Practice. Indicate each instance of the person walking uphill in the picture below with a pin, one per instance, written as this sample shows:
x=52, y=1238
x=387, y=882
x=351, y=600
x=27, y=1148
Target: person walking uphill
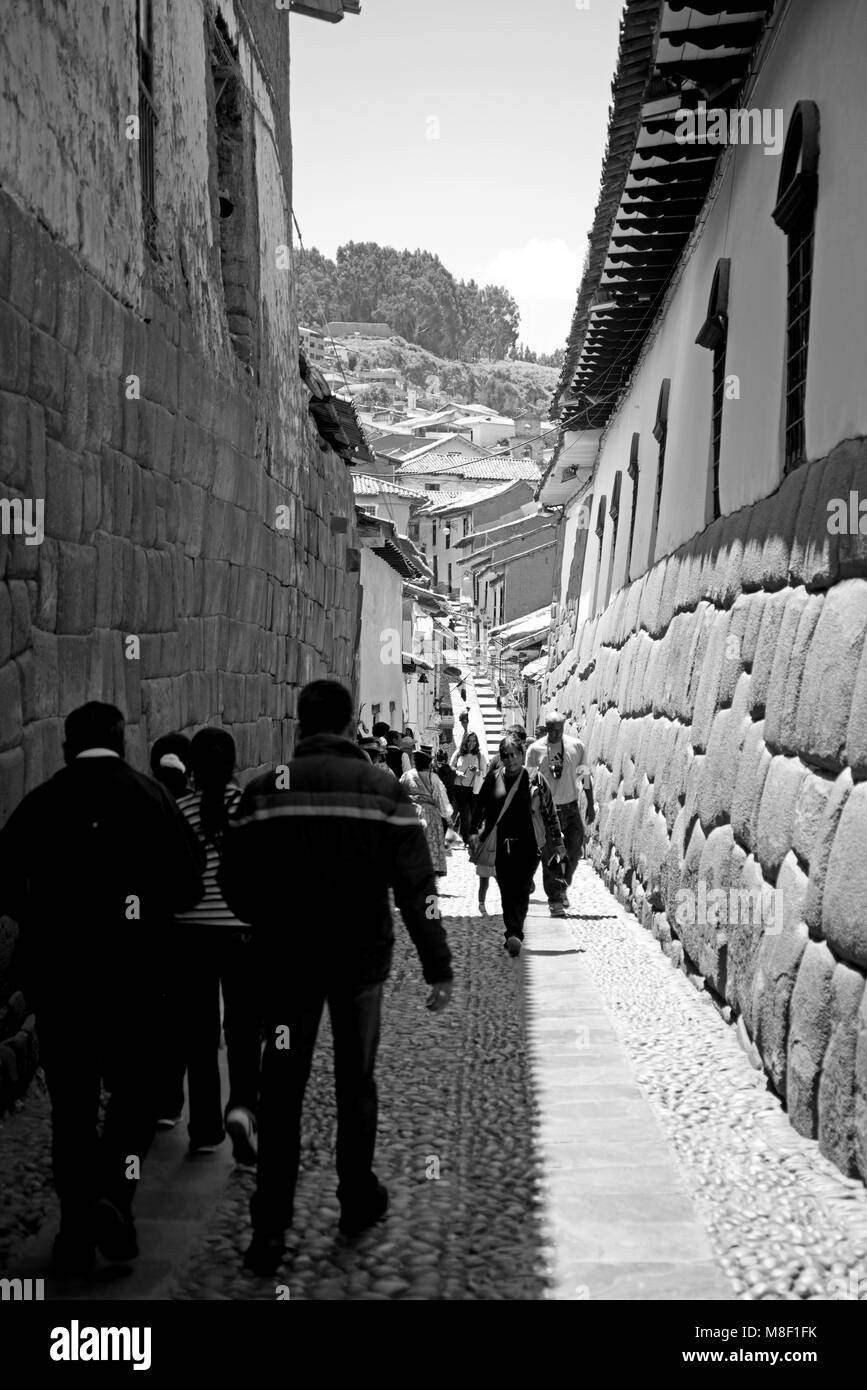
x=513, y=824
x=96, y=861
x=309, y=861
x=561, y=762
x=215, y=951
x=427, y=793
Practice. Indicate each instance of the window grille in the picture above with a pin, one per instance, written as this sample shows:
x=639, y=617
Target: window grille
x=147, y=118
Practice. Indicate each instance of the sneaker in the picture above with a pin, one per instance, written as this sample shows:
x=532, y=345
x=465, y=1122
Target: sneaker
x=265, y=1254
x=513, y=945
x=557, y=909
x=114, y=1232
x=241, y=1126
x=166, y=1123
x=72, y=1254
x=354, y=1220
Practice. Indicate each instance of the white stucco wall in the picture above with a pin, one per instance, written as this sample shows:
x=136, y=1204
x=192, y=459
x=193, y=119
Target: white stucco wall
x=818, y=55
x=382, y=601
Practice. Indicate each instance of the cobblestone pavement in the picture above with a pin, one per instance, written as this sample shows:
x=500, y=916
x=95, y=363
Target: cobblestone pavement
x=463, y=1152
x=455, y=1100
x=784, y=1221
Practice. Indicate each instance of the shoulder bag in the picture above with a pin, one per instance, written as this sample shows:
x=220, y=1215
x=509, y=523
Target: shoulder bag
x=486, y=857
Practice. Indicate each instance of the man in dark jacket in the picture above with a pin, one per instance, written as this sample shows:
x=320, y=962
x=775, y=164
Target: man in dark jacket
x=95, y=863
x=309, y=863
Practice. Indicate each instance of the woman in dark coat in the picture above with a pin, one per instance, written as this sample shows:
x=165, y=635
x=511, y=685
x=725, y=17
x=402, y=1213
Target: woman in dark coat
x=519, y=804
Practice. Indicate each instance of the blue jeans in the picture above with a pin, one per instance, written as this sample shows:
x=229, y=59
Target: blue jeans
x=556, y=881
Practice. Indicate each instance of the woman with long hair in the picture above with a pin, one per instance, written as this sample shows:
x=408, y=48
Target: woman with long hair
x=514, y=825
x=470, y=765
x=217, y=950
x=428, y=795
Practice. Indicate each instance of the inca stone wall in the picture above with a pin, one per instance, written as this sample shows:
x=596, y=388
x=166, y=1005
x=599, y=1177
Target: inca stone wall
x=189, y=572
x=725, y=694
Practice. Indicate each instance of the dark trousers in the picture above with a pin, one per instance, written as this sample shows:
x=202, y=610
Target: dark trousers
x=556, y=880
x=79, y=1056
x=355, y=1022
x=517, y=861
x=209, y=958
x=464, y=801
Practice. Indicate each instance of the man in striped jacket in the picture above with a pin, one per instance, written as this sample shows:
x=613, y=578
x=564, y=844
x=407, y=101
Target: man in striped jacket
x=309, y=862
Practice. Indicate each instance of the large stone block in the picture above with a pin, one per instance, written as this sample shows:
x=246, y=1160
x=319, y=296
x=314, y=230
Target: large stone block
x=823, y=842
x=815, y=553
x=14, y=350
x=719, y=774
x=836, y=1101
x=64, y=495
x=826, y=698
x=76, y=588
x=779, y=956
x=772, y=613
x=701, y=622
x=705, y=921
x=809, y=1033
x=10, y=706
x=734, y=663
x=72, y=662
x=809, y=811
x=11, y=782
x=749, y=784
x=784, y=687
x=844, y=917
x=776, y=819
x=861, y=1089
x=751, y=908
x=707, y=694
x=844, y=474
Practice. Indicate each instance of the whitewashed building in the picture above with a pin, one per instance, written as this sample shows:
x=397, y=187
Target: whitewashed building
x=709, y=479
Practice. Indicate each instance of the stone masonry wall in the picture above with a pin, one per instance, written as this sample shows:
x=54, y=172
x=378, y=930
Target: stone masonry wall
x=161, y=524
x=725, y=696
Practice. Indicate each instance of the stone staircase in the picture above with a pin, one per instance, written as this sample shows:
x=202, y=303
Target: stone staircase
x=491, y=716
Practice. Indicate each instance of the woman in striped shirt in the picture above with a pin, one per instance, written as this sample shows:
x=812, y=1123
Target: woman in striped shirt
x=217, y=950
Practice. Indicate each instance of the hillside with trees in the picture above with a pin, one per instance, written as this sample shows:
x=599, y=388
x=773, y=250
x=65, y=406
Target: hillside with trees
x=416, y=295
x=511, y=386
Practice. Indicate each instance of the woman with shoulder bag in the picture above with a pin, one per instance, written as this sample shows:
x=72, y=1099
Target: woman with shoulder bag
x=470, y=765
x=514, y=825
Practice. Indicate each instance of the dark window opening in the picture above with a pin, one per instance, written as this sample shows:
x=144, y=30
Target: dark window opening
x=713, y=334
x=660, y=433
x=234, y=194
x=147, y=119
x=614, y=513
x=600, y=534
x=795, y=214
x=633, y=473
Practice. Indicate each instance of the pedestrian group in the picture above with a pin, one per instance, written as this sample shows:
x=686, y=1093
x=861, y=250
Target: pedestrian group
x=144, y=901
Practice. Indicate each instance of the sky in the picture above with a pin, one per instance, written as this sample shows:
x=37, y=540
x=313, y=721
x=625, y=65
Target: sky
x=471, y=128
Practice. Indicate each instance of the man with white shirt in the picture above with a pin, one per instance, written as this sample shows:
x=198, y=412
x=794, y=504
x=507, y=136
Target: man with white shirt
x=561, y=761
x=96, y=862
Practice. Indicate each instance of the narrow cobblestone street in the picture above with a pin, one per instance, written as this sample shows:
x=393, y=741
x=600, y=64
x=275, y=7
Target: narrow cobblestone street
x=580, y=1124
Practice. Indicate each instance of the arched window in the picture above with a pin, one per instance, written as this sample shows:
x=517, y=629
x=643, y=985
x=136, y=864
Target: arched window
x=795, y=214
x=713, y=335
x=660, y=433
